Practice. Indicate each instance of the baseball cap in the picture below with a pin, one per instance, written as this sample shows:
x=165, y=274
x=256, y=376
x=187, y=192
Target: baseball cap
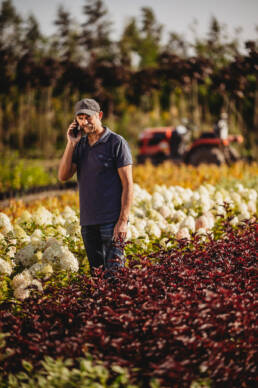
x=86, y=106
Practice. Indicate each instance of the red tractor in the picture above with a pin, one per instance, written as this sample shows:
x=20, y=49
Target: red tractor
x=168, y=143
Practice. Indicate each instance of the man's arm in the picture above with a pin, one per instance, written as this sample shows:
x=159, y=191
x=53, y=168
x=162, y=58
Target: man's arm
x=126, y=177
x=67, y=168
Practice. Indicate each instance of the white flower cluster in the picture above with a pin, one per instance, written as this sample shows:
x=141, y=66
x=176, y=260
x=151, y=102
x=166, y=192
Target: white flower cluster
x=5, y=224
x=5, y=267
x=22, y=285
x=178, y=211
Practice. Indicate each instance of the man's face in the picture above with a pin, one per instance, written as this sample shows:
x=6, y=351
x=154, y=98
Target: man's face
x=90, y=124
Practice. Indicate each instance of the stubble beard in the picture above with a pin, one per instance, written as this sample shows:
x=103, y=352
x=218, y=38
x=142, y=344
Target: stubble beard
x=89, y=129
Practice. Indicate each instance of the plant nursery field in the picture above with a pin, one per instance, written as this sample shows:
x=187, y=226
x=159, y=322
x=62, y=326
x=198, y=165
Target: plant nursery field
x=183, y=311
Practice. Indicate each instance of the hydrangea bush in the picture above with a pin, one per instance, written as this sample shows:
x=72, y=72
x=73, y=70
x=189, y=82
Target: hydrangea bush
x=40, y=243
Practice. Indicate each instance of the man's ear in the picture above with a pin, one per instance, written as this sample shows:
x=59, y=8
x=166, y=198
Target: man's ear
x=100, y=115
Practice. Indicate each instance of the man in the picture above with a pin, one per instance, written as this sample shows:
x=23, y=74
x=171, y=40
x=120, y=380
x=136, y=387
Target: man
x=221, y=127
x=103, y=163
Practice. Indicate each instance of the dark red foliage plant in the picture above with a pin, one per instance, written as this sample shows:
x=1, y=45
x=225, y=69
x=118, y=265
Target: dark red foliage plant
x=191, y=314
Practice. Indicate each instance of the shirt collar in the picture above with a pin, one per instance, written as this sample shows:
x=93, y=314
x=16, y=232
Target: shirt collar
x=105, y=135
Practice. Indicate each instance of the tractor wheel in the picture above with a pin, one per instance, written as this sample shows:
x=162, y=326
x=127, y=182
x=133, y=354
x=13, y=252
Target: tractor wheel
x=141, y=159
x=206, y=155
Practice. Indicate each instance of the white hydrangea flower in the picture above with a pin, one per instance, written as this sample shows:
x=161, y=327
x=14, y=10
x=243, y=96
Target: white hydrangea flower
x=43, y=268
x=236, y=198
x=141, y=225
x=59, y=255
x=25, y=255
x=211, y=219
x=68, y=261
x=138, y=212
x=162, y=224
x=195, y=196
x=157, y=201
x=52, y=242
x=189, y=223
x=20, y=233
x=21, y=293
x=192, y=213
x=206, y=203
x=26, y=217
x=239, y=187
x=68, y=213
x=128, y=235
x=38, y=284
x=5, y=224
x=211, y=189
x=183, y=233
x=219, y=210
x=37, y=239
x=168, y=196
x=22, y=279
x=11, y=251
x=153, y=229
x=172, y=229
x=58, y=219
x=73, y=228
x=202, y=222
x=140, y=194
x=244, y=215
x=165, y=211
x=177, y=201
x=52, y=254
x=5, y=267
x=234, y=221
x=143, y=241
x=218, y=198
x=179, y=216
x=134, y=232
x=42, y=216
x=37, y=234
x=186, y=195
x=165, y=243
x=251, y=206
x=155, y=215
x=2, y=240
x=201, y=231
x=61, y=231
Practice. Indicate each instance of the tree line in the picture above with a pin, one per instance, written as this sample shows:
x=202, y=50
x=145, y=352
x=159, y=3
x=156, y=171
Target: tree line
x=138, y=79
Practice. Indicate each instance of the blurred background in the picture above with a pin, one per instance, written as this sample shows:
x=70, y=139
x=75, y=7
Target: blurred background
x=148, y=63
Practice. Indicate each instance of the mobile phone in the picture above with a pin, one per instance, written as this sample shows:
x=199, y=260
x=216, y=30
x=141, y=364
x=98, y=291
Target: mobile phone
x=76, y=130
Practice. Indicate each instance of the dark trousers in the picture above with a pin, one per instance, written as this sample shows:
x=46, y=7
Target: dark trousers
x=100, y=247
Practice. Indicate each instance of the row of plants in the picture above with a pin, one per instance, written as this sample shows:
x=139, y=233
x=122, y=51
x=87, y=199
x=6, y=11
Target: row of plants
x=46, y=241
x=22, y=174
x=17, y=174
x=182, y=316
x=181, y=313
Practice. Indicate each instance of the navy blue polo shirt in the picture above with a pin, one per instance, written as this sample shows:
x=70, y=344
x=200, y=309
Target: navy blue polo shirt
x=100, y=186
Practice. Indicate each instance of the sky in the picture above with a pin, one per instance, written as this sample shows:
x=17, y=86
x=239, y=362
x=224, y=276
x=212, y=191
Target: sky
x=175, y=15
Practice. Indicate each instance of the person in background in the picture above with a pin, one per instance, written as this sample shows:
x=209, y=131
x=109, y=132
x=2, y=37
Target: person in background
x=221, y=127
x=103, y=163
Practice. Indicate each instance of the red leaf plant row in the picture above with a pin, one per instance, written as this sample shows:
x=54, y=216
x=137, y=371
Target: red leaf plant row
x=178, y=316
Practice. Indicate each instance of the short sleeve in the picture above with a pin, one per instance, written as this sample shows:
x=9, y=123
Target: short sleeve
x=123, y=154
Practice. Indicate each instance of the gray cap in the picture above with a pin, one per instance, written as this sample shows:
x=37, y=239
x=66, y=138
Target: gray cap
x=86, y=106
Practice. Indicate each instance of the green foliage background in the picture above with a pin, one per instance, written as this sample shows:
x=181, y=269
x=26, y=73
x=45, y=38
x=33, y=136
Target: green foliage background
x=138, y=79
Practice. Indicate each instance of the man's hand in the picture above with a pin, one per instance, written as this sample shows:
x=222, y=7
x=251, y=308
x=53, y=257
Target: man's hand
x=70, y=136
x=120, y=230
